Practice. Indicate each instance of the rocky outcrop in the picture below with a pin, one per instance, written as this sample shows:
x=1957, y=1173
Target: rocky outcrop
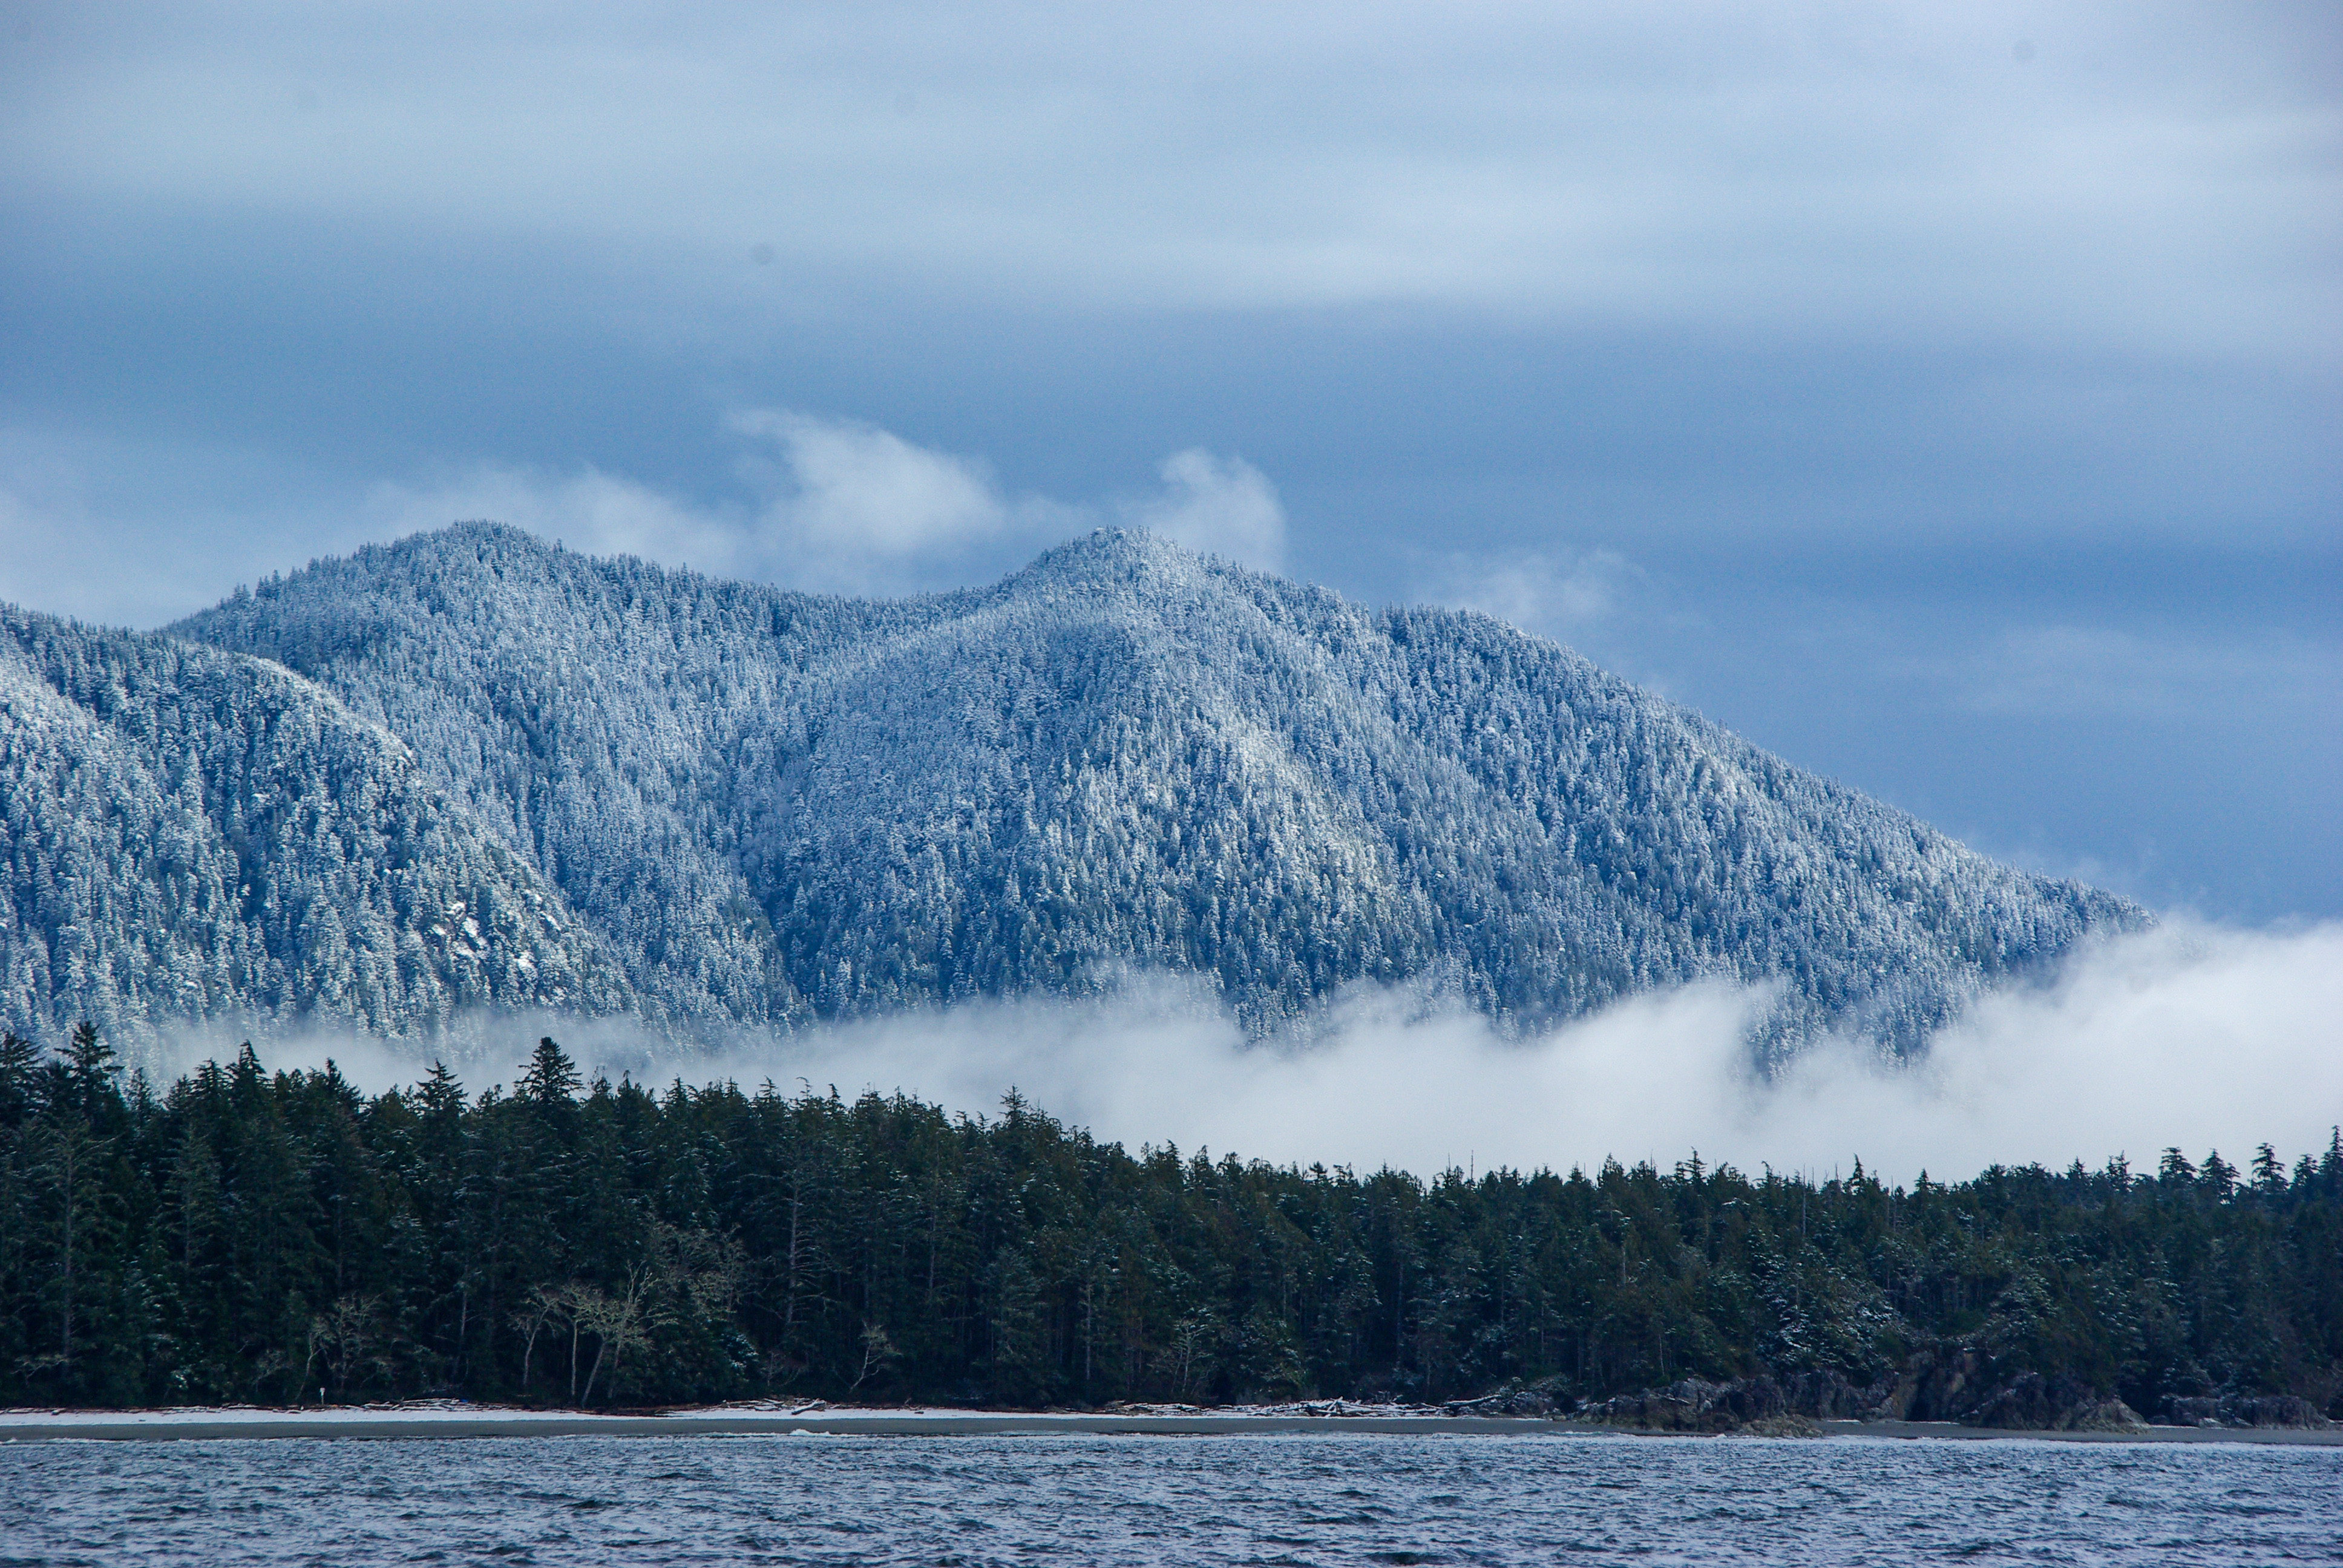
x=1538, y=1398
x=1759, y=1406
x=1954, y=1383
x=2241, y=1410
x=2032, y=1402
x=1971, y=1386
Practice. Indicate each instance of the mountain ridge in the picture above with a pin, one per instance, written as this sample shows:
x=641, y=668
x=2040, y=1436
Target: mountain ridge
x=767, y=809
x=150, y=846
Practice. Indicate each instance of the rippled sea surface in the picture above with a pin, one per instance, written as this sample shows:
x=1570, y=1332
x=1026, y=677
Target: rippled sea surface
x=1150, y=1500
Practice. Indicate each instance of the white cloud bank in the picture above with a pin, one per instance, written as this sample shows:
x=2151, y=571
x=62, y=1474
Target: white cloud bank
x=2188, y=1036
x=843, y=506
x=858, y=490
x=1559, y=593
x=1219, y=505
x=589, y=510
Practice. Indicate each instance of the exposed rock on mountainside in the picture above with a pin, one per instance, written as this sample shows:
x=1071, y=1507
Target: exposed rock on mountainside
x=764, y=806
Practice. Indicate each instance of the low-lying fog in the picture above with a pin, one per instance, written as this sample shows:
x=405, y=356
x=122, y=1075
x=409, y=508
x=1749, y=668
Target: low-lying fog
x=2185, y=1035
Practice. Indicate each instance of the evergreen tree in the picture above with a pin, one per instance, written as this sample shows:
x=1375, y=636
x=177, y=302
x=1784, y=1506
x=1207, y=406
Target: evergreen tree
x=250, y=1236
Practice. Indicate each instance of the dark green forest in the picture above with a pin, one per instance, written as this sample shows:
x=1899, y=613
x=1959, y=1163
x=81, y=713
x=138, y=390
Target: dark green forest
x=250, y=1236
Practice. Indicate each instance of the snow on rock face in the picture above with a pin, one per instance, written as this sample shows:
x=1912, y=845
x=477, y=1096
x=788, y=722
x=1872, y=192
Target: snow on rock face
x=719, y=802
x=195, y=835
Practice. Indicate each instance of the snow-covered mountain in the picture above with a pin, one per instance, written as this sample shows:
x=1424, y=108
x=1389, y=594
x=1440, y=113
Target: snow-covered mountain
x=714, y=803
x=195, y=835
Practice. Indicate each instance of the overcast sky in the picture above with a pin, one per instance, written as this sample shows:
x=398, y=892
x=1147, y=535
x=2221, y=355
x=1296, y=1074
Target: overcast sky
x=1946, y=398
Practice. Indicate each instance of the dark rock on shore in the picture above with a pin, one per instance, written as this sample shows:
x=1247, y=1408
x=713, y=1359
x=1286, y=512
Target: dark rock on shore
x=1756, y=1406
x=2242, y=1410
x=2032, y=1402
x=1957, y=1384
x=1534, y=1401
x=1973, y=1386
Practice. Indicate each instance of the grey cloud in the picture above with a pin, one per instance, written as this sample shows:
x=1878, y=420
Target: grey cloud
x=1881, y=169
x=137, y=532
x=2065, y=672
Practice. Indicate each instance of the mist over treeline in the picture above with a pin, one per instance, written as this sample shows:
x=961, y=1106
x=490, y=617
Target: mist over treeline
x=244, y=1236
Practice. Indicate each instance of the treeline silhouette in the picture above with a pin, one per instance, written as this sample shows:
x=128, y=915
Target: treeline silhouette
x=282, y=1237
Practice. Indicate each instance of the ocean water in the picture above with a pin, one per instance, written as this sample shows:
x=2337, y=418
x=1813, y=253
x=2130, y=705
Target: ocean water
x=1150, y=1500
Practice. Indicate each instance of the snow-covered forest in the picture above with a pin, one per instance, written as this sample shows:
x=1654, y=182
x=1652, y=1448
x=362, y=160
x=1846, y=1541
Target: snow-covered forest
x=192, y=835
x=473, y=769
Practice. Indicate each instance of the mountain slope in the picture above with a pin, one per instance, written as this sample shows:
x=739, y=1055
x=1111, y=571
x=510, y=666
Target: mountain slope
x=195, y=835
x=771, y=807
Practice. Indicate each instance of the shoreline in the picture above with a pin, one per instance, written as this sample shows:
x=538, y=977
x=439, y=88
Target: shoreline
x=439, y=1421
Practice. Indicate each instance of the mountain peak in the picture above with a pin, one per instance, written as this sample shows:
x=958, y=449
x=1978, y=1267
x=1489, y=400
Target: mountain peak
x=1121, y=556
x=752, y=807
x=486, y=536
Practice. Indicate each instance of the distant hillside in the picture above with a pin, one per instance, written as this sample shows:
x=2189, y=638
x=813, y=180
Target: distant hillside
x=193, y=835
x=713, y=803
x=507, y=775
